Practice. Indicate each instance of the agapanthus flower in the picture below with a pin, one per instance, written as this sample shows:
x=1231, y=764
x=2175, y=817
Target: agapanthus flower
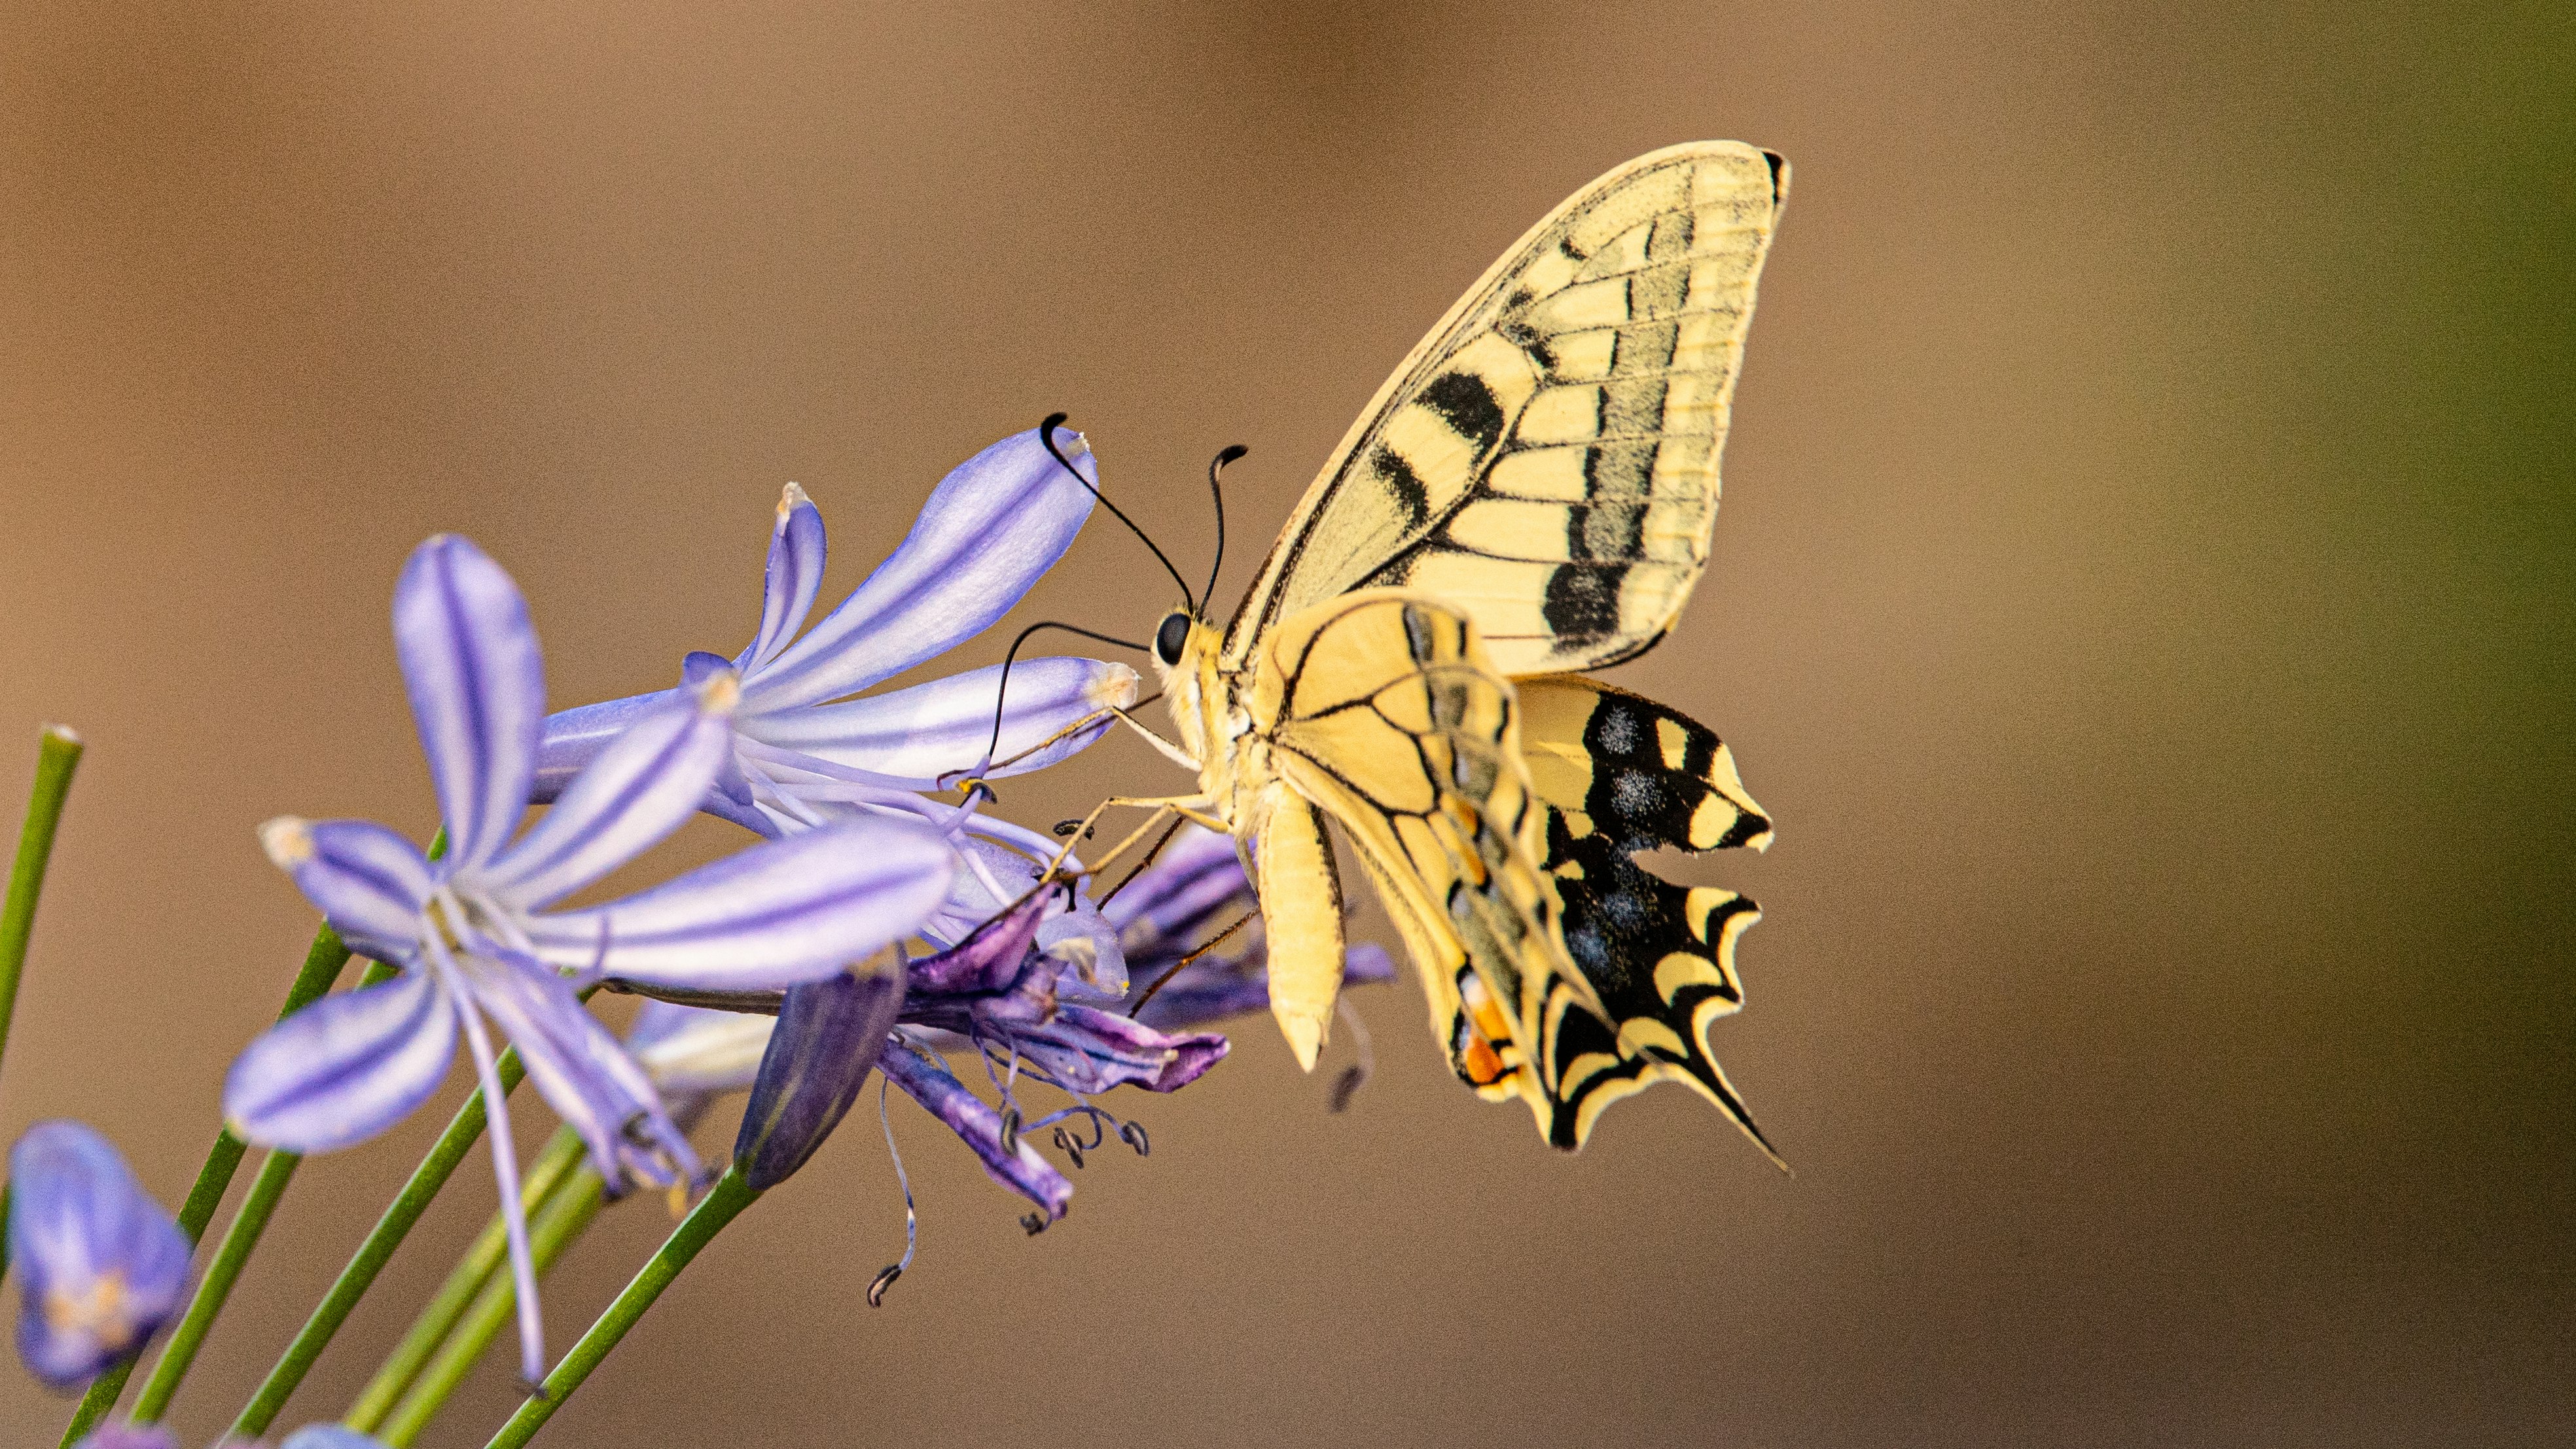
x=472, y=931
x=805, y=752
x=100, y=1265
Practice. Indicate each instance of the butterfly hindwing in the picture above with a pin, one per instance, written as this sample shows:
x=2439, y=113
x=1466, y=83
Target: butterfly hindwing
x=1381, y=709
x=1547, y=459
x=1618, y=773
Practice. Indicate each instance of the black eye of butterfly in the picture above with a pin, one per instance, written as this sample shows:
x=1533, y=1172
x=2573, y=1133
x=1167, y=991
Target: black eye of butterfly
x=1169, y=639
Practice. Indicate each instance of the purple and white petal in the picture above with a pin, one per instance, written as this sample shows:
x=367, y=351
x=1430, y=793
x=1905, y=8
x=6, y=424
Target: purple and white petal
x=576, y=737
x=344, y=1068
x=581, y=1071
x=369, y=882
x=1086, y=946
x=692, y=1051
x=795, y=576
x=638, y=791
x=478, y=690
x=927, y=1080
x=1087, y=1050
x=989, y=531
x=929, y=731
x=765, y=918
x=330, y=1436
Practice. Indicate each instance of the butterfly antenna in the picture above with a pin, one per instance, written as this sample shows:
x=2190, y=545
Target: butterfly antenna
x=1002, y=690
x=1046, y=435
x=1230, y=453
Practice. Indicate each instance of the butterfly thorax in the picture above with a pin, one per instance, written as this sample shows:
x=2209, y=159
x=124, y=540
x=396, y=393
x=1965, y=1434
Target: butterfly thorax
x=1206, y=715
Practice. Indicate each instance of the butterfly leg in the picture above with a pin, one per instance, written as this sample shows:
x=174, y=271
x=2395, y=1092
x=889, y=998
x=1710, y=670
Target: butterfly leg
x=1188, y=807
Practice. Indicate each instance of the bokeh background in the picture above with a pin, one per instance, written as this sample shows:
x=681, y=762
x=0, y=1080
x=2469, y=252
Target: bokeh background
x=2143, y=597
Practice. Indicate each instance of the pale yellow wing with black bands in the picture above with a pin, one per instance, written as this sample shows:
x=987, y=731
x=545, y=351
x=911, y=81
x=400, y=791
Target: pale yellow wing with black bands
x=1617, y=773
x=1379, y=708
x=1547, y=459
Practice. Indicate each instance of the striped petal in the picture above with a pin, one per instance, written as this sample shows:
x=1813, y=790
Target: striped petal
x=769, y=917
x=927, y=1080
x=943, y=728
x=640, y=789
x=478, y=690
x=795, y=576
x=344, y=1068
x=576, y=737
x=990, y=529
x=369, y=882
x=581, y=1071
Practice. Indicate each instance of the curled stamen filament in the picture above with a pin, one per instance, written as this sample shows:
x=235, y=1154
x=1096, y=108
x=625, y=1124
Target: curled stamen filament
x=911, y=1220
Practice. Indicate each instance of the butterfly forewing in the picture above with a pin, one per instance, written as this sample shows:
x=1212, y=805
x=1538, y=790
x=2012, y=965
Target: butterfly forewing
x=1547, y=460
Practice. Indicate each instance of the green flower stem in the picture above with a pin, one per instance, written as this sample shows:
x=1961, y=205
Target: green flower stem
x=322, y=963
x=720, y=1206
x=58, y=753
x=566, y=1213
x=232, y=1255
x=476, y=1268
x=463, y=1130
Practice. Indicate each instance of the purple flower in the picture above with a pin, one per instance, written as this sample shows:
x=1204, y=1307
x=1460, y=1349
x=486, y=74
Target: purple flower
x=100, y=1266
x=472, y=931
x=1193, y=891
x=804, y=753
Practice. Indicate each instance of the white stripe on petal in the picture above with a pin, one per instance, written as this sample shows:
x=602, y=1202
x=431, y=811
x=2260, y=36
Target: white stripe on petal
x=478, y=690
x=934, y=729
x=766, y=918
x=639, y=790
x=996, y=523
x=344, y=1068
x=369, y=882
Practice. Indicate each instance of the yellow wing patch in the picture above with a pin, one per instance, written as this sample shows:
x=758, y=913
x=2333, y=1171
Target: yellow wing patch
x=1547, y=459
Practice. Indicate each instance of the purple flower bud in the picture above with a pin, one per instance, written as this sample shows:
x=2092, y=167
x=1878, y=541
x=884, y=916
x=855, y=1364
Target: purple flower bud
x=829, y=1035
x=100, y=1266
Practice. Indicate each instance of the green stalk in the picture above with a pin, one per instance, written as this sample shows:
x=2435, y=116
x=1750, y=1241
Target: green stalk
x=720, y=1206
x=457, y=1294
x=231, y=1256
x=569, y=1211
x=58, y=753
x=322, y=963
x=462, y=1132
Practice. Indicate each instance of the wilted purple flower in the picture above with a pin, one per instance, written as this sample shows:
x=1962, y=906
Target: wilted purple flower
x=100, y=1266
x=1195, y=889
x=804, y=753
x=471, y=929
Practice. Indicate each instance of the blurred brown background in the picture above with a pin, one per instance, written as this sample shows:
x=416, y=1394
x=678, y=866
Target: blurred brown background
x=2142, y=596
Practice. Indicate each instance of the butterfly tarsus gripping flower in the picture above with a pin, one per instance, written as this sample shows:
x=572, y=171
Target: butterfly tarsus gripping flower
x=100, y=1266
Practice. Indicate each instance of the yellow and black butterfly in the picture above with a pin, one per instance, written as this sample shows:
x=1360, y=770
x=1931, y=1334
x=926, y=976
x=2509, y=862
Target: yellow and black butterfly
x=1530, y=494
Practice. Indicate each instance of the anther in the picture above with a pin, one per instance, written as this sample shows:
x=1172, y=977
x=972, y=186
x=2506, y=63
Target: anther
x=1070, y=1148
x=1133, y=1134
x=1011, y=1132
x=884, y=1280
x=1033, y=1224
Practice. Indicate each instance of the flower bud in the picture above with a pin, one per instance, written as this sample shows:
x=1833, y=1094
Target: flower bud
x=829, y=1035
x=100, y=1266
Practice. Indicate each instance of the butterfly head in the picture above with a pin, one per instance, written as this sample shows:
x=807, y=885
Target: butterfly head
x=1185, y=657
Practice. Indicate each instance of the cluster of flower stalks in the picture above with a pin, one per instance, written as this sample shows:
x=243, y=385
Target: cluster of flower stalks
x=885, y=920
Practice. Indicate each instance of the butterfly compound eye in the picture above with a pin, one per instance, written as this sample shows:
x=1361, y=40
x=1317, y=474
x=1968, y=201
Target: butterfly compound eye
x=1169, y=639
